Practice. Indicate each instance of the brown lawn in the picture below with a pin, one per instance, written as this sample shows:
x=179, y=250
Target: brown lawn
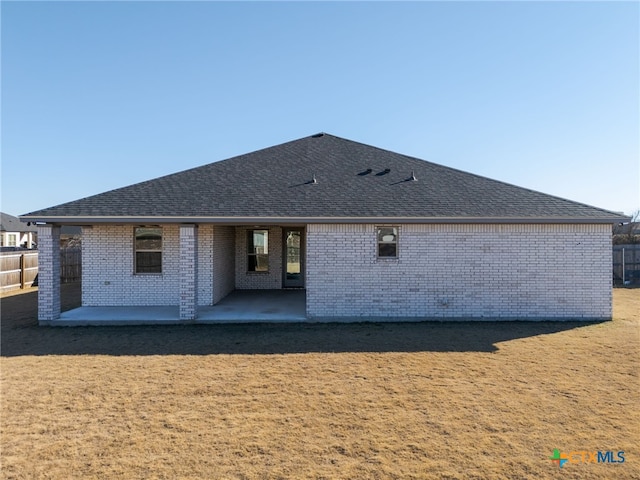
x=445, y=401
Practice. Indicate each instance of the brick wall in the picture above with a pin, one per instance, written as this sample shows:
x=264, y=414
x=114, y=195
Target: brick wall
x=188, y=272
x=48, y=273
x=108, y=277
x=224, y=261
x=108, y=266
x=258, y=280
x=461, y=271
x=205, y=263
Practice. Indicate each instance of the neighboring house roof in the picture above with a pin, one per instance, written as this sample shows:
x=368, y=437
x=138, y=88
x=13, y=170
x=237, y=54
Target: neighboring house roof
x=322, y=178
x=9, y=223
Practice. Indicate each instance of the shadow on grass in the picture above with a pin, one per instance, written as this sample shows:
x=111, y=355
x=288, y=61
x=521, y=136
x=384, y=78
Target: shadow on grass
x=22, y=336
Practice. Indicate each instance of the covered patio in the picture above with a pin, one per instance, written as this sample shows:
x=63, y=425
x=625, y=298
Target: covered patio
x=240, y=306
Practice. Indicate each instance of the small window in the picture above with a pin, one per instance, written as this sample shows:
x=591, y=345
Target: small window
x=388, y=242
x=258, y=250
x=148, y=249
x=12, y=240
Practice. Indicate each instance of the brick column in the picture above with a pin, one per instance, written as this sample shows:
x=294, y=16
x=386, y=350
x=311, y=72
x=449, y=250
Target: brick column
x=188, y=272
x=48, y=273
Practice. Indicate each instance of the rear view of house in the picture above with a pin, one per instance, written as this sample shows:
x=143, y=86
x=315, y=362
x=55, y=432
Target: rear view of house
x=368, y=234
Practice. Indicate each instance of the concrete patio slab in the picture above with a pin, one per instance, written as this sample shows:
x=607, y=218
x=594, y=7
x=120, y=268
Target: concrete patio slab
x=117, y=316
x=240, y=306
x=257, y=306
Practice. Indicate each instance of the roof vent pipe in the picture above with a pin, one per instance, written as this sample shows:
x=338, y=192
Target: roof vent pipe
x=413, y=176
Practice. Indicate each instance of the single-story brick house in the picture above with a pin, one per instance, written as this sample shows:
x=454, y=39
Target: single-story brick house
x=367, y=233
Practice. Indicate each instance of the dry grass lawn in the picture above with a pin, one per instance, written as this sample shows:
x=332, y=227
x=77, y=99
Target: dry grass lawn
x=442, y=401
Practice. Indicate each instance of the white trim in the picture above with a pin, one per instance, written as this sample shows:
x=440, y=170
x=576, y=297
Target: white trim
x=230, y=220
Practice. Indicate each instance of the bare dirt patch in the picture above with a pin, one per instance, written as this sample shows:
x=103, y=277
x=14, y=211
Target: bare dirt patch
x=450, y=400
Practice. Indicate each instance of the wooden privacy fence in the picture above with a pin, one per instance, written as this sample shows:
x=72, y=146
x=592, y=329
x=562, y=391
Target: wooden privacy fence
x=20, y=269
x=626, y=264
x=70, y=264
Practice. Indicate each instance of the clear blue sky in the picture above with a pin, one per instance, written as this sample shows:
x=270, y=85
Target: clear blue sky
x=99, y=95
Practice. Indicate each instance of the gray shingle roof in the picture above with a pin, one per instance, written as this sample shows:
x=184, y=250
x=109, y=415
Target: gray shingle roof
x=9, y=223
x=353, y=180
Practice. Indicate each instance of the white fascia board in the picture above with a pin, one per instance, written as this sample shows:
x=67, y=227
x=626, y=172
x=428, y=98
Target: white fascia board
x=91, y=220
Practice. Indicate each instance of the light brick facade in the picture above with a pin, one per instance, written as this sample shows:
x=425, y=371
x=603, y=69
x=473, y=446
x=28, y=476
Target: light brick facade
x=446, y=271
x=108, y=277
x=259, y=280
x=188, y=306
x=224, y=261
x=461, y=271
x=205, y=259
x=48, y=273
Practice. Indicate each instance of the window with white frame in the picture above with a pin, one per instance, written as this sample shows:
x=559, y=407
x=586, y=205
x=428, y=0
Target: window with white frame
x=12, y=240
x=148, y=249
x=388, y=242
x=258, y=250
